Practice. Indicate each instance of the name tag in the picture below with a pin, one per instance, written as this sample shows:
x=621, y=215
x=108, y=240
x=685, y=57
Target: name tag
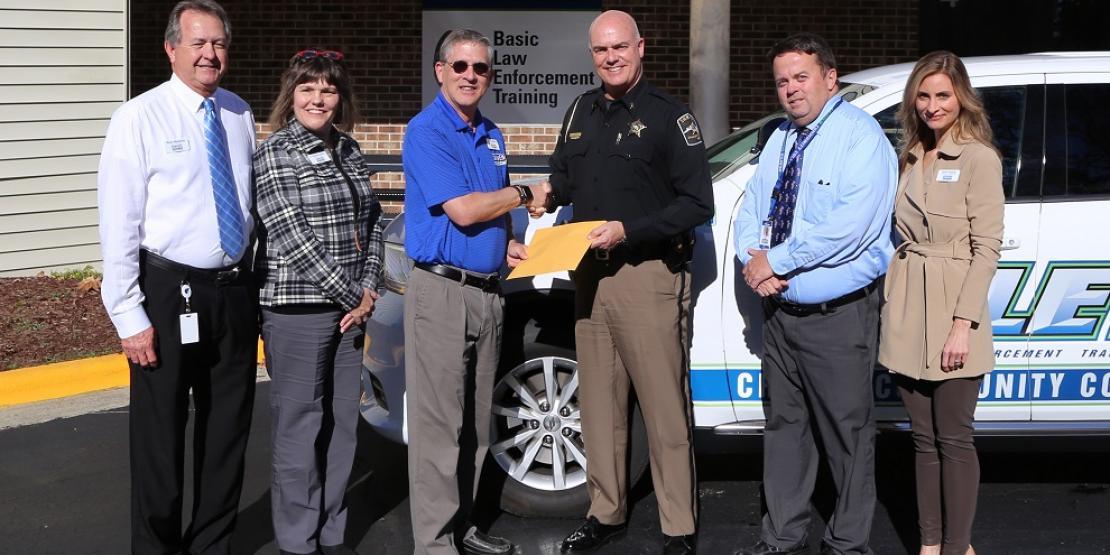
x=499, y=159
x=492, y=144
x=319, y=157
x=177, y=147
x=948, y=176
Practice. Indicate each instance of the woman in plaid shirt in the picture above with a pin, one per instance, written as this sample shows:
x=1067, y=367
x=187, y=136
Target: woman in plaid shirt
x=320, y=259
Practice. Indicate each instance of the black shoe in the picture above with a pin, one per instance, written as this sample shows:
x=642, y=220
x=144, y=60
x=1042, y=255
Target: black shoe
x=679, y=545
x=337, y=550
x=477, y=543
x=764, y=548
x=592, y=535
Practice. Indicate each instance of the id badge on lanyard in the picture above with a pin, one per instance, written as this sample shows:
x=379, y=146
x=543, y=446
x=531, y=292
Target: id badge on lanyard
x=765, y=235
x=190, y=326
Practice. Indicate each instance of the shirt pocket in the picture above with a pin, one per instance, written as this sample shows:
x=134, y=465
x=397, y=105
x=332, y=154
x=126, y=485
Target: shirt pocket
x=636, y=158
x=819, y=194
x=319, y=197
x=634, y=149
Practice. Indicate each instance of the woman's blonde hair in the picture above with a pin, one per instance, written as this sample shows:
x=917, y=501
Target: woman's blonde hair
x=972, y=124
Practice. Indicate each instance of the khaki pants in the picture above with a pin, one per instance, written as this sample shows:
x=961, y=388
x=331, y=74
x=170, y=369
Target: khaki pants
x=452, y=345
x=630, y=330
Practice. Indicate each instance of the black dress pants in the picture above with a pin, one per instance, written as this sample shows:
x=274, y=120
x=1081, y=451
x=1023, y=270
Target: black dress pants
x=220, y=371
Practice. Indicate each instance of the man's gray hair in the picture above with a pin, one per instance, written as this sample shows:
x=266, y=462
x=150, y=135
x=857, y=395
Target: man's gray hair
x=457, y=36
x=210, y=7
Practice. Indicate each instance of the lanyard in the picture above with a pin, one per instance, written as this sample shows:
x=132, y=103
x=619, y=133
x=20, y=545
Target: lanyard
x=798, y=148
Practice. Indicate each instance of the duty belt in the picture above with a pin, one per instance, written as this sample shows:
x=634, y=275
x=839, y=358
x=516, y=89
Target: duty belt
x=486, y=283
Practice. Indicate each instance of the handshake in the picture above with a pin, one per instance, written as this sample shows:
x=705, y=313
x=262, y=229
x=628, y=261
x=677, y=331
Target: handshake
x=537, y=198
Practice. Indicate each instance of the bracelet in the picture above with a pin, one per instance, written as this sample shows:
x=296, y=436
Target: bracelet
x=525, y=194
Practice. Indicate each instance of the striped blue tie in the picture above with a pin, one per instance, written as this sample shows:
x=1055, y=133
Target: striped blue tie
x=228, y=213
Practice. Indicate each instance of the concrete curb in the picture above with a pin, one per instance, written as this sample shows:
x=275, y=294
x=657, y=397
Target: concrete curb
x=63, y=379
x=66, y=379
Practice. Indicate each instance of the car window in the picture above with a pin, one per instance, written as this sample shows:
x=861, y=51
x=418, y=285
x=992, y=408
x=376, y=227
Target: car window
x=1077, y=141
x=1008, y=111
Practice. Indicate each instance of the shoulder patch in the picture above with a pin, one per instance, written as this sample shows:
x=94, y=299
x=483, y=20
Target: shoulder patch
x=688, y=126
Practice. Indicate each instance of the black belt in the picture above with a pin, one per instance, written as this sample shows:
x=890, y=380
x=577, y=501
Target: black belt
x=639, y=253
x=220, y=276
x=826, y=307
x=485, y=283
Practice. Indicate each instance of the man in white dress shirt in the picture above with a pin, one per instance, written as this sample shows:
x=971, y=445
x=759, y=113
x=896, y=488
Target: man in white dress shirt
x=175, y=228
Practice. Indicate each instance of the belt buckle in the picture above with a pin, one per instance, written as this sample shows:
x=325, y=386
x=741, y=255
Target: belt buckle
x=601, y=254
x=227, y=276
x=490, y=284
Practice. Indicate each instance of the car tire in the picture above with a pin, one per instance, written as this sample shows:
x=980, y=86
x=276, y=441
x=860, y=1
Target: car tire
x=536, y=490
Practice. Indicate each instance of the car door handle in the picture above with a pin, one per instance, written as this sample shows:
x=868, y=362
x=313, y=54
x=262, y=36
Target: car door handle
x=1010, y=243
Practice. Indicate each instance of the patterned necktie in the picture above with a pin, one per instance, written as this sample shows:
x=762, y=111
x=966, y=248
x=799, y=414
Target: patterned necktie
x=786, y=193
x=229, y=215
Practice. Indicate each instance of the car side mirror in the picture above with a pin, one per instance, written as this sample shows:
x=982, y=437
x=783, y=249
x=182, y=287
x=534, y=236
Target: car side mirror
x=763, y=135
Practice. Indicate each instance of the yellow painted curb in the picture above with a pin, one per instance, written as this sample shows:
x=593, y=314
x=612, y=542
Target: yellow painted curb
x=63, y=379
x=53, y=381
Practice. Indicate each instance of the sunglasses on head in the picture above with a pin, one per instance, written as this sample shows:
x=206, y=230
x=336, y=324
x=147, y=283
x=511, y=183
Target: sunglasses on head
x=312, y=54
x=459, y=66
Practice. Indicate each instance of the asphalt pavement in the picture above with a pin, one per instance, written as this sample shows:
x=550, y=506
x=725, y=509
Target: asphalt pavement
x=64, y=489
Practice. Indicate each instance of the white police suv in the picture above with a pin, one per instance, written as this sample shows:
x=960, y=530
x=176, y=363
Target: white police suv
x=1049, y=300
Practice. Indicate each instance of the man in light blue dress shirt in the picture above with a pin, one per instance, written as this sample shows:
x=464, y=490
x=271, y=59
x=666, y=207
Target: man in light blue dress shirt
x=813, y=235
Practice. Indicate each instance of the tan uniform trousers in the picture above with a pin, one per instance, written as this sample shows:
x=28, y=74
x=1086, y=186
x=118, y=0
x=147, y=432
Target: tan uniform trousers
x=452, y=346
x=630, y=330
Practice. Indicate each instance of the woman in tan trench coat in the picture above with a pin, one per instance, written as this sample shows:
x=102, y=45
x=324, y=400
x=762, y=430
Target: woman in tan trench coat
x=936, y=327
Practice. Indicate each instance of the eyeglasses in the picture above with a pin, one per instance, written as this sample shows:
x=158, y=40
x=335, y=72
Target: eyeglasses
x=312, y=53
x=459, y=66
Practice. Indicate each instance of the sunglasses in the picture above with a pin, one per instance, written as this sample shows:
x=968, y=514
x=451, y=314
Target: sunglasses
x=481, y=69
x=312, y=54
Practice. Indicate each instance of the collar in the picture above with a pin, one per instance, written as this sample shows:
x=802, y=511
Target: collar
x=192, y=101
x=307, y=141
x=456, y=120
x=949, y=147
x=630, y=98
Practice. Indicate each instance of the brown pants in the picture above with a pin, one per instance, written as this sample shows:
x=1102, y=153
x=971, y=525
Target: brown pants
x=947, y=465
x=631, y=321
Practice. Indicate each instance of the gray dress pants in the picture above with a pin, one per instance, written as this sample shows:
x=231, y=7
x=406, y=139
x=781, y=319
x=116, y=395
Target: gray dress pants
x=817, y=372
x=452, y=347
x=316, y=373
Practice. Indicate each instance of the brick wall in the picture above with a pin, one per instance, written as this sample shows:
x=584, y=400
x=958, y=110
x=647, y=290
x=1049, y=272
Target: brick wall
x=382, y=42
x=862, y=33
x=380, y=38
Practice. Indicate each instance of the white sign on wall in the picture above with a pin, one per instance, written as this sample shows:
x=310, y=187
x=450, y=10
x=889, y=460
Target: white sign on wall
x=541, y=57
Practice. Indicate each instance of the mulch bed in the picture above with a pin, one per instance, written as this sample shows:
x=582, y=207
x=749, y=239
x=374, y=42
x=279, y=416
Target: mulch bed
x=49, y=319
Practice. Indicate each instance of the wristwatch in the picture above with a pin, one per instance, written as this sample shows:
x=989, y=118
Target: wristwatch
x=524, y=192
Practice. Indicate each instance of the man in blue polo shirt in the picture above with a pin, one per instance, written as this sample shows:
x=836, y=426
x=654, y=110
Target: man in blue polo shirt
x=457, y=199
